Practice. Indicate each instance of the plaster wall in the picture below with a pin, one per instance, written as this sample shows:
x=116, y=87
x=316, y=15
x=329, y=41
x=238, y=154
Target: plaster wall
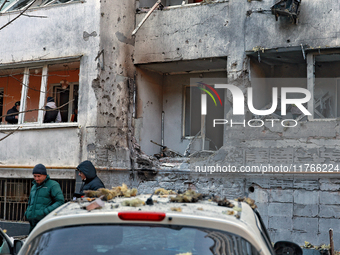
x=59, y=31
x=51, y=147
x=149, y=110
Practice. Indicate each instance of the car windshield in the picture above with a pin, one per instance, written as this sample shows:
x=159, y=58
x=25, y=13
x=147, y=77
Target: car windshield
x=138, y=240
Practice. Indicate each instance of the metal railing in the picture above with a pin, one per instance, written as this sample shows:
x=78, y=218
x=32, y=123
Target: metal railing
x=14, y=194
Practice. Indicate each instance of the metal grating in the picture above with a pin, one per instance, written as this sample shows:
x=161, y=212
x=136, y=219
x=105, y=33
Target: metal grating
x=14, y=195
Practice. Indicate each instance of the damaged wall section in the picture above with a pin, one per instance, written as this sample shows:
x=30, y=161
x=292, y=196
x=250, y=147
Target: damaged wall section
x=295, y=208
x=107, y=141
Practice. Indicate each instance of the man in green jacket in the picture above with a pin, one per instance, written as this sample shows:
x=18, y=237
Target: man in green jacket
x=45, y=196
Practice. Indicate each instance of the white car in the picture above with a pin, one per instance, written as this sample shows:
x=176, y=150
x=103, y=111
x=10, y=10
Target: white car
x=163, y=228
x=8, y=245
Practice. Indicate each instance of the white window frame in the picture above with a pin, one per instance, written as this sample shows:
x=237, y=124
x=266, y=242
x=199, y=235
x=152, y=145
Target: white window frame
x=35, y=5
x=70, y=105
x=24, y=93
x=42, y=97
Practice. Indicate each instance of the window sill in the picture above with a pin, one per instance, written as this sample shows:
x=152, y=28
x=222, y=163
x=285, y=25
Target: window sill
x=146, y=9
x=32, y=126
x=39, y=7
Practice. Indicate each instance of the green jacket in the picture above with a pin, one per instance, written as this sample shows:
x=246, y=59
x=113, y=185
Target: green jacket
x=43, y=199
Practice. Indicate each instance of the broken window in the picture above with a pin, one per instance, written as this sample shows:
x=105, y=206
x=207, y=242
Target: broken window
x=327, y=86
x=198, y=126
x=32, y=86
x=13, y=5
x=275, y=70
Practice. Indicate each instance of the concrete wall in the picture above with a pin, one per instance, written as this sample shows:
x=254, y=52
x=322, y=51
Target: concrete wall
x=113, y=87
x=183, y=33
x=51, y=147
x=149, y=110
x=59, y=31
x=316, y=26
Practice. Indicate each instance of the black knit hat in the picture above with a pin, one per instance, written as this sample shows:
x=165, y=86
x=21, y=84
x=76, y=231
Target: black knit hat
x=39, y=169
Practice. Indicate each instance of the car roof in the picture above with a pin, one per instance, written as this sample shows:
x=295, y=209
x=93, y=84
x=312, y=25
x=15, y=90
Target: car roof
x=240, y=219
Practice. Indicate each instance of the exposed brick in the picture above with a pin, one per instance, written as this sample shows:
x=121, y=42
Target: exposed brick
x=280, y=209
x=306, y=210
x=259, y=195
x=305, y=225
x=306, y=197
x=329, y=211
x=307, y=184
x=283, y=196
x=280, y=223
x=329, y=198
x=329, y=184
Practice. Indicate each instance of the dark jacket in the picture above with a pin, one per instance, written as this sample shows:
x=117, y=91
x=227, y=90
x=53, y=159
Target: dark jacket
x=11, y=119
x=92, y=181
x=43, y=199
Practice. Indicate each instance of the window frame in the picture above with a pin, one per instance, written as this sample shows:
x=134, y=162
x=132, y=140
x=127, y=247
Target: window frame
x=310, y=58
x=42, y=96
x=44, y=3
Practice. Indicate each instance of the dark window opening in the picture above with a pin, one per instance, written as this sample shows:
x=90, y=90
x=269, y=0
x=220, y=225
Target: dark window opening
x=14, y=194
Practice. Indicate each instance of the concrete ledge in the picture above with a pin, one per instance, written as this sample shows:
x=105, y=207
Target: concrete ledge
x=26, y=173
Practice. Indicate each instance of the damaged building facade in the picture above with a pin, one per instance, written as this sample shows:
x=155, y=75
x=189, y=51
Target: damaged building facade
x=120, y=91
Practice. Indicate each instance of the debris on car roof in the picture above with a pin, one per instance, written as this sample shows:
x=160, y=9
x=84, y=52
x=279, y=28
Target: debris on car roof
x=190, y=196
x=136, y=202
x=223, y=202
x=247, y=200
x=119, y=191
x=162, y=191
x=176, y=209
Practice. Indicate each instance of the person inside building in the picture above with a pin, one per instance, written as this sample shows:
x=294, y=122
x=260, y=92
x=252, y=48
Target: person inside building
x=13, y=113
x=52, y=114
x=46, y=195
x=88, y=175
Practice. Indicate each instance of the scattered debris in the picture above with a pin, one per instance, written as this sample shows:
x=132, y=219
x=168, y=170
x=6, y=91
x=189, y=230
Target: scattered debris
x=189, y=196
x=166, y=152
x=247, y=200
x=133, y=202
x=176, y=209
x=223, y=202
x=238, y=209
x=258, y=48
x=120, y=191
x=162, y=191
x=308, y=245
x=290, y=8
x=229, y=212
x=200, y=209
x=96, y=204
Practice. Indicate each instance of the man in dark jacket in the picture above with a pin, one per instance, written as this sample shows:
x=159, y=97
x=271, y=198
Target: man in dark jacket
x=12, y=114
x=88, y=174
x=45, y=196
